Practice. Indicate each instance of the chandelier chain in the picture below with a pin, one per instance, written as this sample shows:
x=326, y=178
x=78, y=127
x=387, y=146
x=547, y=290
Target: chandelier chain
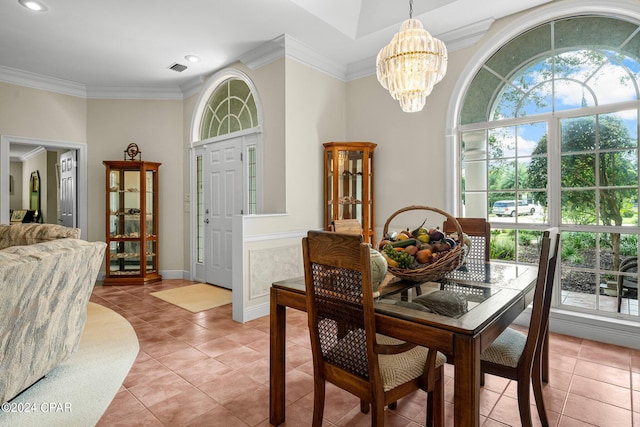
x=410, y=9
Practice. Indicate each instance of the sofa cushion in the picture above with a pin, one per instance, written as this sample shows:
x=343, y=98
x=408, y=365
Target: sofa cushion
x=38, y=250
x=28, y=234
x=45, y=288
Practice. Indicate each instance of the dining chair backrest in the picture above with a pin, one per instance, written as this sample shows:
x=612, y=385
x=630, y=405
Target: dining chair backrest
x=479, y=232
x=542, y=297
x=347, y=226
x=628, y=281
x=340, y=299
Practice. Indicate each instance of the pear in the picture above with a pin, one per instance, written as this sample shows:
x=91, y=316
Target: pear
x=420, y=230
x=424, y=238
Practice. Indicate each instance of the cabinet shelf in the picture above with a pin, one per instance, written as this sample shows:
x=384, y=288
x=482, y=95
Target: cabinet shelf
x=348, y=185
x=132, y=222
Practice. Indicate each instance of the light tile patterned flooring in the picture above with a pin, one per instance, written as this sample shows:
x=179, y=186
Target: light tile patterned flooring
x=204, y=369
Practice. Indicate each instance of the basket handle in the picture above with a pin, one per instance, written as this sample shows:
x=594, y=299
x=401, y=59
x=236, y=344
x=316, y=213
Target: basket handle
x=450, y=217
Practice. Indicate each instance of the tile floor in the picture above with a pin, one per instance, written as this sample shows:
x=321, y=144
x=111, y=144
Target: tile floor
x=204, y=369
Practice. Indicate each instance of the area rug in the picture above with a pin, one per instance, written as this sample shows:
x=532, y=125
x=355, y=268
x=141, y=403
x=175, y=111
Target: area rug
x=196, y=298
x=79, y=391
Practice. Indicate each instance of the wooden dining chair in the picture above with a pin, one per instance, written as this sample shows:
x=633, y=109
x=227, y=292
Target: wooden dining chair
x=519, y=357
x=346, y=349
x=628, y=283
x=479, y=232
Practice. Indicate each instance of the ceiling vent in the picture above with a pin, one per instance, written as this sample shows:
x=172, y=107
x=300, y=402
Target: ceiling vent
x=178, y=67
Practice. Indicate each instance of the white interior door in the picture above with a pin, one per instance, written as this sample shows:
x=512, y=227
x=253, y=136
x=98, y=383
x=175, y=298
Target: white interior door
x=68, y=205
x=223, y=197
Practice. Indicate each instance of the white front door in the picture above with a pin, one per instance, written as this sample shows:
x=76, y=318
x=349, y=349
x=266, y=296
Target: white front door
x=223, y=198
x=68, y=205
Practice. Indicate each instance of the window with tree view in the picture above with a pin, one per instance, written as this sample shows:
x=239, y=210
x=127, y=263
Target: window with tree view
x=548, y=135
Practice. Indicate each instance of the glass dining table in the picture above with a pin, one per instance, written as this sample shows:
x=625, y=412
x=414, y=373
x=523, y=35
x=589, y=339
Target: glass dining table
x=494, y=294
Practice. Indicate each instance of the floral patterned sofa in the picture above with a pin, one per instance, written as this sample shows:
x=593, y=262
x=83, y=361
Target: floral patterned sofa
x=47, y=274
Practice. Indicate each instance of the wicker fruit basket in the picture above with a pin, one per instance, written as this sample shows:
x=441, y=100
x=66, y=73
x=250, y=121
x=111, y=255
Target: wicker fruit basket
x=453, y=259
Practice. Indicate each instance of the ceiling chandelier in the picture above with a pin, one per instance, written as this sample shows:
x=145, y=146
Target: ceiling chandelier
x=411, y=64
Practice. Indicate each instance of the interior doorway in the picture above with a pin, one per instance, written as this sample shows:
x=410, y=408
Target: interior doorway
x=80, y=150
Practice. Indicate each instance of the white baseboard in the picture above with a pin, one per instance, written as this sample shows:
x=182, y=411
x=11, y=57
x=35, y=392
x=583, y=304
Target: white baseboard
x=255, y=312
x=587, y=326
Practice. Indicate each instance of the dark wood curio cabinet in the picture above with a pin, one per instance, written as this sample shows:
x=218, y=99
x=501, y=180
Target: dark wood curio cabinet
x=348, y=185
x=131, y=222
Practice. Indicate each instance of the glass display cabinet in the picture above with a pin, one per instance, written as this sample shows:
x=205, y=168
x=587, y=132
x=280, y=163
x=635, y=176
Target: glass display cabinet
x=132, y=222
x=348, y=185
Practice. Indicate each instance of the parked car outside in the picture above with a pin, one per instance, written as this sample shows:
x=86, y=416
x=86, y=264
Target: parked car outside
x=508, y=208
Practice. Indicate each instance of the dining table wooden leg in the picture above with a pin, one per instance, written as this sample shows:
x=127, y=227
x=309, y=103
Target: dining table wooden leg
x=277, y=326
x=466, y=395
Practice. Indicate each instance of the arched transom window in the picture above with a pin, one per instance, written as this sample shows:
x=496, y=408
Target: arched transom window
x=231, y=108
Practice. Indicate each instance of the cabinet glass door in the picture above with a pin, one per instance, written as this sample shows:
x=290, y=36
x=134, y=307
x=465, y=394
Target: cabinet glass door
x=349, y=184
x=132, y=222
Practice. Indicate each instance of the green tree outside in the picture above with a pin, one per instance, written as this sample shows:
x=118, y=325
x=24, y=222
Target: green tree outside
x=597, y=151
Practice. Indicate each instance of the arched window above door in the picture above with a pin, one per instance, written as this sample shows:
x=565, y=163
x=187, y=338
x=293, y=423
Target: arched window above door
x=230, y=108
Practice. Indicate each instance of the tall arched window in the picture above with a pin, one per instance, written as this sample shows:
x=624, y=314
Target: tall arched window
x=548, y=134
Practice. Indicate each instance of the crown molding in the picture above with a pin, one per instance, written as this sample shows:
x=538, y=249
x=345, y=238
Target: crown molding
x=464, y=37
x=26, y=156
x=66, y=87
x=192, y=87
x=149, y=93
x=38, y=81
x=264, y=54
x=286, y=46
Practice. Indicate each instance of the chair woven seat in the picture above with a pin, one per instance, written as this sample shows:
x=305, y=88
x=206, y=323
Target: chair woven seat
x=506, y=349
x=397, y=369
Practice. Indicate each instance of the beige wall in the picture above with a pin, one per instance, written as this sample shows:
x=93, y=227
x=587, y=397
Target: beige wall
x=157, y=128
x=313, y=113
x=40, y=114
x=409, y=159
x=315, y=105
x=34, y=113
x=107, y=127
x=270, y=85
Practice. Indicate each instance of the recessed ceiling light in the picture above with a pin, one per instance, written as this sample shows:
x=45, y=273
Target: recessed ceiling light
x=33, y=5
x=192, y=58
